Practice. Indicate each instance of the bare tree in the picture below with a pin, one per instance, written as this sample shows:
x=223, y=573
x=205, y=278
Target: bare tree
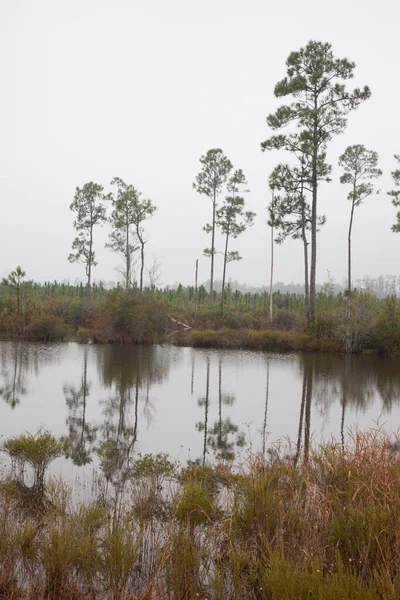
x=154, y=273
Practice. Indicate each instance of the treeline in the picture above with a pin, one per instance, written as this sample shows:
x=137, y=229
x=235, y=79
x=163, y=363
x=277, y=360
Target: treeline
x=53, y=311
x=382, y=286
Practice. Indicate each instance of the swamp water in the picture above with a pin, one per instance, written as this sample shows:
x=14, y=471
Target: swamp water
x=193, y=404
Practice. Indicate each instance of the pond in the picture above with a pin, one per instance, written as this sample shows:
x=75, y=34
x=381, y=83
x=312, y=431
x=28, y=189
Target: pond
x=194, y=404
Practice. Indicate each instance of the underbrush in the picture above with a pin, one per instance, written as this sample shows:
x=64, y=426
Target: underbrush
x=326, y=526
x=117, y=316
x=272, y=340
x=357, y=323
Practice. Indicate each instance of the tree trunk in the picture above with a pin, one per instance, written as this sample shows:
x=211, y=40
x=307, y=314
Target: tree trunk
x=23, y=311
x=272, y=274
x=128, y=259
x=305, y=245
x=349, y=246
x=220, y=398
x=89, y=263
x=314, y=185
x=224, y=273
x=306, y=288
x=142, y=243
x=196, y=290
x=212, y=255
x=349, y=342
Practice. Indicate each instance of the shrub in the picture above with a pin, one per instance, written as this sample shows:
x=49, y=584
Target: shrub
x=194, y=503
x=46, y=328
x=84, y=335
x=386, y=334
x=127, y=317
x=37, y=450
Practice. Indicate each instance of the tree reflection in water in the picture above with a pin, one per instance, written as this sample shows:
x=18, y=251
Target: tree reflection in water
x=81, y=434
x=14, y=373
x=204, y=401
x=224, y=435
x=192, y=374
x=130, y=372
x=304, y=428
x=18, y=361
x=218, y=439
x=352, y=380
x=349, y=378
x=351, y=384
x=264, y=428
x=300, y=428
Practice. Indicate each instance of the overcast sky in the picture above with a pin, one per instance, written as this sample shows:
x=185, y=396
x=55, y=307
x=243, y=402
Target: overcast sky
x=93, y=89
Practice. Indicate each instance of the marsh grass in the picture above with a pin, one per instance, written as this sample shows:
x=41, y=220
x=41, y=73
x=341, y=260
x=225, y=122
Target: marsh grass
x=327, y=527
x=271, y=340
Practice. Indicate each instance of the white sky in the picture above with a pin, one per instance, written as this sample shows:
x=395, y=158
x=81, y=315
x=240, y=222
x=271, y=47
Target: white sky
x=93, y=89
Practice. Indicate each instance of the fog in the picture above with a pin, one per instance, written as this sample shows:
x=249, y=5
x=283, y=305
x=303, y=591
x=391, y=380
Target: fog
x=95, y=89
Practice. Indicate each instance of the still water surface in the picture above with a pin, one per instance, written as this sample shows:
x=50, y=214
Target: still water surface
x=191, y=403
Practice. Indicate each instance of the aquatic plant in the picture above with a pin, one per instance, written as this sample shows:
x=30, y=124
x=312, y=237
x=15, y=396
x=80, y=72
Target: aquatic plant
x=326, y=527
x=36, y=450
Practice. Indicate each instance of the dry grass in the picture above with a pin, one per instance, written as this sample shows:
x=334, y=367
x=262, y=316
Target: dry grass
x=326, y=528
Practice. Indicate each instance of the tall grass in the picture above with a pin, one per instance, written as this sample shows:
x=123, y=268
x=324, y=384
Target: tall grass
x=327, y=527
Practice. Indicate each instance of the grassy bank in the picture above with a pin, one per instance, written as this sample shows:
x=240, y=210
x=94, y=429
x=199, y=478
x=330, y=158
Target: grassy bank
x=285, y=527
x=274, y=341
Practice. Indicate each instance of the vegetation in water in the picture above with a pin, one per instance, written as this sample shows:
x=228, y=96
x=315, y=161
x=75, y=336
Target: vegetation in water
x=322, y=524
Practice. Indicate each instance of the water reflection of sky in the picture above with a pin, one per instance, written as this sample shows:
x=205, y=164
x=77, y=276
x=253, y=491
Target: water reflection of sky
x=193, y=404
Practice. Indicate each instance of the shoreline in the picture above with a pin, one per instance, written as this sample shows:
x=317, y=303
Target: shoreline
x=271, y=340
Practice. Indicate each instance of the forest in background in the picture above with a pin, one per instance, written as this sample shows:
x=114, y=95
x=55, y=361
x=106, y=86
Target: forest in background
x=52, y=311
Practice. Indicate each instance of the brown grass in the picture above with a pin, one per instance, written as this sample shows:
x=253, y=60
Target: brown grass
x=327, y=528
